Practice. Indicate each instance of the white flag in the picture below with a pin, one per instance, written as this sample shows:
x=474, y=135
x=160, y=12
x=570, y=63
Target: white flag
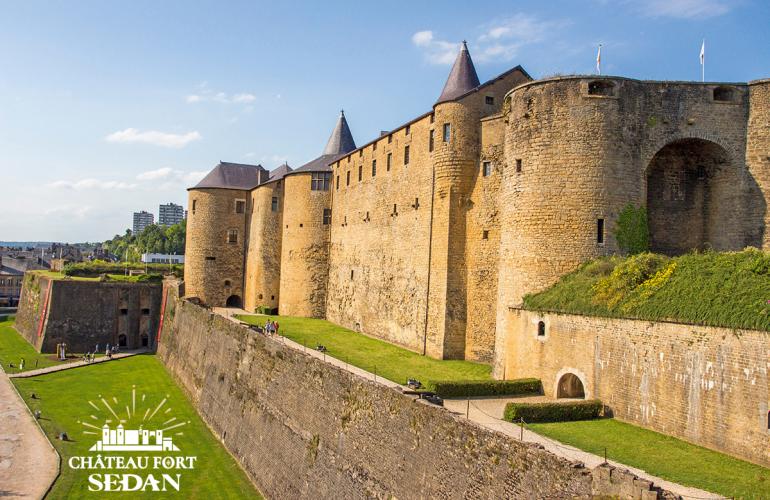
x=599, y=60
x=703, y=53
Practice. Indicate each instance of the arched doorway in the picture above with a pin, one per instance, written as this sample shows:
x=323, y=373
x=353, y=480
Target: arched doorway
x=122, y=340
x=234, y=301
x=570, y=386
x=695, y=198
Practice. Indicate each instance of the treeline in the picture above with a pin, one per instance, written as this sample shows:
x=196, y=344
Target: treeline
x=154, y=239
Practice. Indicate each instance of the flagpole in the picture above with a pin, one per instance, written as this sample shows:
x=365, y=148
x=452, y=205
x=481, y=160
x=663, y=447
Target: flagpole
x=703, y=61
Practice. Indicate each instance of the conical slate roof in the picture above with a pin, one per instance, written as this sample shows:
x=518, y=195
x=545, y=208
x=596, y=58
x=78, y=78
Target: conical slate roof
x=279, y=172
x=462, y=78
x=341, y=141
x=232, y=176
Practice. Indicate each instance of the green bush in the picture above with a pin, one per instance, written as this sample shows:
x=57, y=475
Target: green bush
x=98, y=267
x=632, y=232
x=464, y=388
x=626, y=277
x=268, y=311
x=553, y=412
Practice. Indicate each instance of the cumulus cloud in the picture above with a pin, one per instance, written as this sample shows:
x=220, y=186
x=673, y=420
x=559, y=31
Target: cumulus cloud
x=171, y=177
x=500, y=40
x=685, y=9
x=90, y=183
x=154, y=137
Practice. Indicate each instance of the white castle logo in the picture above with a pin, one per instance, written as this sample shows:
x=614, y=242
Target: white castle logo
x=129, y=440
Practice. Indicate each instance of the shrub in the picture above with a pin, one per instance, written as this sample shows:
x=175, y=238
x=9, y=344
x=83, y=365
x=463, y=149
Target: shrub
x=268, y=311
x=553, y=412
x=631, y=231
x=98, y=267
x=464, y=388
x=626, y=277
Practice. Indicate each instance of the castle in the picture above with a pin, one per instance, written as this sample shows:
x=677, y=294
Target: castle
x=429, y=235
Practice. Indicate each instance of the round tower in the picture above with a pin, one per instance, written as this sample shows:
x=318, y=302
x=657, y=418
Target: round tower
x=306, y=227
x=758, y=147
x=218, y=208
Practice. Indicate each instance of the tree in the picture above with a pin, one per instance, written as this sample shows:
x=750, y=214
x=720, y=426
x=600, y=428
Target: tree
x=631, y=231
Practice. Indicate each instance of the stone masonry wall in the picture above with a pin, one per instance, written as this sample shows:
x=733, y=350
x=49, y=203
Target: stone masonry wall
x=85, y=313
x=707, y=385
x=304, y=249
x=263, y=253
x=214, y=267
x=758, y=147
x=302, y=428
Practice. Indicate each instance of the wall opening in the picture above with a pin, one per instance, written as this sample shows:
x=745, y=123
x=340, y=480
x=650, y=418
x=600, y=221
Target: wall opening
x=234, y=301
x=570, y=386
x=601, y=87
x=145, y=341
x=695, y=200
x=122, y=340
x=723, y=94
x=541, y=329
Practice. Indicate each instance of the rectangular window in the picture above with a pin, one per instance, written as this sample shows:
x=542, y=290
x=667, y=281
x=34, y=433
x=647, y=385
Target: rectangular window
x=406, y=155
x=327, y=216
x=390, y=138
x=485, y=235
x=319, y=181
x=432, y=117
x=430, y=140
x=211, y=258
x=486, y=168
x=360, y=152
x=274, y=204
x=374, y=168
x=145, y=311
x=338, y=182
x=390, y=158
x=124, y=312
x=447, y=132
x=518, y=165
x=240, y=206
x=407, y=130
x=347, y=180
x=232, y=236
x=600, y=231
x=193, y=207
x=374, y=146
x=360, y=172
x=489, y=99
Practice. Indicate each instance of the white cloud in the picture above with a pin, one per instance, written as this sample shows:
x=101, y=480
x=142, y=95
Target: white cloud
x=77, y=211
x=90, y=183
x=685, y=9
x=172, y=177
x=165, y=139
x=151, y=175
x=206, y=94
x=500, y=40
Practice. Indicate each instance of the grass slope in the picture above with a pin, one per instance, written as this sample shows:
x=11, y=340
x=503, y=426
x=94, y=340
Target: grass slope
x=729, y=289
x=64, y=401
x=663, y=456
x=389, y=361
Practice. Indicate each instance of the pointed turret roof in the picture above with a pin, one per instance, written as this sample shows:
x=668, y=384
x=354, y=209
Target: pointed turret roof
x=341, y=141
x=462, y=78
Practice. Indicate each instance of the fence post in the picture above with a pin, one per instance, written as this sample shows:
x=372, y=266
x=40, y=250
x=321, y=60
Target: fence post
x=468, y=407
x=375, y=373
x=521, y=425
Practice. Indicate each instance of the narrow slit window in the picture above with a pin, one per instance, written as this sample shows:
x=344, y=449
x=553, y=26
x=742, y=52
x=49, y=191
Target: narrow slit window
x=406, y=155
x=374, y=168
x=447, y=132
x=387, y=165
x=485, y=235
x=274, y=204
x=541, y=329
x=327, y=218
x=600, y=231
x=518, y=165
x=486, y=168
x=360, y=173
x=347, y=180
x=430, y=140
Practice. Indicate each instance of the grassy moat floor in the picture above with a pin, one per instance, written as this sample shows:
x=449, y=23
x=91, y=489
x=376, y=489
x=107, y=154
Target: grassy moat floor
x=387, y=360
x=663, y=456
x=70, y=398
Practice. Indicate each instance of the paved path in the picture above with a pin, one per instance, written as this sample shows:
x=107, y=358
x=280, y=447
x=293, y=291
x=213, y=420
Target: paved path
x=75, y=364
x=28, y=462
x=488, y=412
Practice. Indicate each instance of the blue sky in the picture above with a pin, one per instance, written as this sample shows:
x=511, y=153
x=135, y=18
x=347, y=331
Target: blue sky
x=112, y=107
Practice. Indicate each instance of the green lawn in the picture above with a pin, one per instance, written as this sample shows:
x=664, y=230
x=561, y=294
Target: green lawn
x=729, y=289
x=389, y=361
x=663, y=456
x=64, y=402
x=13, y=348
x=113, y=277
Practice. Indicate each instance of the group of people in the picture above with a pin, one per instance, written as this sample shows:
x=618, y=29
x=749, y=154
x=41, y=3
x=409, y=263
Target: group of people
x=271, y=327
x=108, y=352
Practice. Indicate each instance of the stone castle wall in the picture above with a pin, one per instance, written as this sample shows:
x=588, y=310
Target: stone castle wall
x=303, y=428
x=707, y=385
x=758, y=147
x=263, y=253
x=304, y=249
x=214, y=267
x=85, y=313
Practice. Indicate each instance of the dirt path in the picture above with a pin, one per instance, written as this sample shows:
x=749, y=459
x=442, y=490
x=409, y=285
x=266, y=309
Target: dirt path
x=74, y=364
x=28, y=462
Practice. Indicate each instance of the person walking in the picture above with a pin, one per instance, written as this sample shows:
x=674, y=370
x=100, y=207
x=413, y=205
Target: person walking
x=275, y=327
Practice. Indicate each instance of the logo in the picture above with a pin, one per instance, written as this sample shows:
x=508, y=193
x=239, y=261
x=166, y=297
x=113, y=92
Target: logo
x=127, y=427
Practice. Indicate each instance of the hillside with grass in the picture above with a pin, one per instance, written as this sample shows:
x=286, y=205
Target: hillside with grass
x=730, y=289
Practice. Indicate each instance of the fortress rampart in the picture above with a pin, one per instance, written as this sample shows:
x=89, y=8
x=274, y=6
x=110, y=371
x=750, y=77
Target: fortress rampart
x=262, y=284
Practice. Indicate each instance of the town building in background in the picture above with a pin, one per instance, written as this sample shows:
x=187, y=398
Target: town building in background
x=162, y=258
x=170, y=214
x=142, y=220
x=10, y=285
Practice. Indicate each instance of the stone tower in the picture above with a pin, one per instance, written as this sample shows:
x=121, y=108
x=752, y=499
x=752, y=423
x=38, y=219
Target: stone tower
x=306, y=226
x=217, y=223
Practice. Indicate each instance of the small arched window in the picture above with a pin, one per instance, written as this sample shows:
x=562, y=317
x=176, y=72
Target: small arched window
x=601, y=87
x=541, y=329
x=227, y=282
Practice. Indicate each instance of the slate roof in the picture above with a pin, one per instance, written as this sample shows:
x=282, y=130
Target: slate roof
x=232, y=176
x=462, y=78
x=340, y=143
x=278, y=173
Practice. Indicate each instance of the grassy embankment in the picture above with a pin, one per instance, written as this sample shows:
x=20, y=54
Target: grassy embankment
x=729, y=289
x=387, y=360
x=64, y=399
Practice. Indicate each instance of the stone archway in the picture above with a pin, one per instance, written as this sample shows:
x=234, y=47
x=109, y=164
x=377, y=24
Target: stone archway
x=695, y=199
x=234, y=301
x=570, y=386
